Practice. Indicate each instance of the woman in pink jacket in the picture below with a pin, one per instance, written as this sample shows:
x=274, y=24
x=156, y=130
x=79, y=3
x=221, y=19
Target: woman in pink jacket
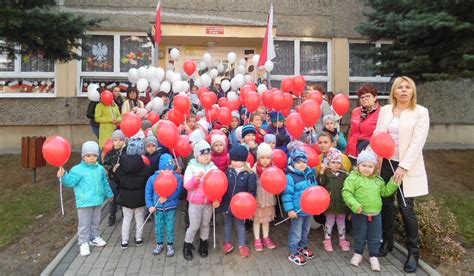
x=363, y=121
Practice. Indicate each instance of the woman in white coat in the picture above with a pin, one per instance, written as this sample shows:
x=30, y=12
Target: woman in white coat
x=408, y=124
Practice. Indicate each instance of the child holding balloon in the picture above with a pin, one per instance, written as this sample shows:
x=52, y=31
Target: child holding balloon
x=329, y=122
x=91, y=188
x=219, y=155
x=164, y=207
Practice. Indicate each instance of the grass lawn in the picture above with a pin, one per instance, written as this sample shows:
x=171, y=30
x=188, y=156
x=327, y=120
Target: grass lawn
x=462, y=206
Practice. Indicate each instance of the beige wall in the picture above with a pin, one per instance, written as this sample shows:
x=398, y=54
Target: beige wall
x=340, y=65
x=451, y=133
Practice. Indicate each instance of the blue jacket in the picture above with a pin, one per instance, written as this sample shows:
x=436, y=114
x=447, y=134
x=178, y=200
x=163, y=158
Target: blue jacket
x=244, y=181
x=233, y=138
x=296, y=183
x=90, y=184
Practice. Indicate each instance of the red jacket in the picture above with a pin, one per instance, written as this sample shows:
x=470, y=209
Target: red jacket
x=259, y=137
x=221, y=160
x=360, y=130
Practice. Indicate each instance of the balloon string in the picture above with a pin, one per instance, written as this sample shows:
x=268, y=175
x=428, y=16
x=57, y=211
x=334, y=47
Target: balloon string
x=175, y=158
x=61, y=195
x=214, y=224
x=149, y=215
x=399, y=186
x=279, y=206
x=276, y=224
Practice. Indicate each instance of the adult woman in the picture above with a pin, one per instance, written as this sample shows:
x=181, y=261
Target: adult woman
x=363, y=121
x=132, y=102
x=108, y=116
x=408, y=124
x=118, y=99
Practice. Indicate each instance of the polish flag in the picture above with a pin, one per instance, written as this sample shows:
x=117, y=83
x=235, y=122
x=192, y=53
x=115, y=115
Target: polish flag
x=158, y=23
x=268, y=49
x=123, y=86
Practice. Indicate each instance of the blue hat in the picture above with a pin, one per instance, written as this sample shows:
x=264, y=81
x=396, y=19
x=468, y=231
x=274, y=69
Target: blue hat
x=167, y=162
x=238, y=153
x=366, y=155
x=276, y=116
x=248, y=129
x=297, y=155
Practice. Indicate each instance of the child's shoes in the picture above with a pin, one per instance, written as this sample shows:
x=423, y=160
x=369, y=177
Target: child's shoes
x=244, y=251
x=158, y=249
x=258, y=245
x=98, y=241
x=328, y=245
x=85, y=249
x=228, y=247
x=268, y=243
x=345, y=245
x=356, y=259
x=306, y=252
x=374, y=264
x=297, y=259
x=170, y=251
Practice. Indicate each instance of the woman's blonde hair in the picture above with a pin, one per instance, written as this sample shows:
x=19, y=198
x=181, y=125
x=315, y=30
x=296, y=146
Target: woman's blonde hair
x=396, y=83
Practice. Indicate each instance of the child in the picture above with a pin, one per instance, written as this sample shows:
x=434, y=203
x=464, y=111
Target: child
x=200, y=208
x=277, y=127
x=270, y=139
x=256, y=120
x=240, y=179
x=165, y=208
x=329, y=122
x=362, y=193
x=203, y=125
x=91, y=189
x=325, y=143
x=299, y=177
x=131, y=178
x=234, y=124
x=219, y=155
x=151, y=151
x=248, y=137
x=265, y=201
x=111, y=161
x=190, y=124
x=262, y=111
x=333, y=180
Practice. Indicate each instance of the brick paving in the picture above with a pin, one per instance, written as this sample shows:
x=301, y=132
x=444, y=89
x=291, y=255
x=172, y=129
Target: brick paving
x=112, y=260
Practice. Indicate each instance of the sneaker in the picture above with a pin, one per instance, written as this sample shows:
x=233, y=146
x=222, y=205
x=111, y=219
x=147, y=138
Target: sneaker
x=170, y=251
x=97, y=241
x=345, y=245
x=356, y=259
x=374, y=264
x=244, y=251
x=111, y=221
x=124, y=245
x=139, y=242
x=158, y=249
x=268, y=243
x=297, y=259
x=84, y=249
x=258, y=245
x=305, y=252
x=328, y=245
x=228, y=247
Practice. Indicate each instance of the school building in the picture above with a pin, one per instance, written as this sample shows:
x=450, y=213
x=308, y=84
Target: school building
x=314, y=38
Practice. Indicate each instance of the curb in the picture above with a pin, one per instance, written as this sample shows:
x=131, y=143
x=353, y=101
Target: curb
x=426, y=267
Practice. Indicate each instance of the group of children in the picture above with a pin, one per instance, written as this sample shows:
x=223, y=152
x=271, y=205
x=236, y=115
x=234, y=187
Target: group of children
x=356, y=193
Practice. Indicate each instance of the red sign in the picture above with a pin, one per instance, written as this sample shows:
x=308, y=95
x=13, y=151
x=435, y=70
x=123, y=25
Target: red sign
x=219, y=30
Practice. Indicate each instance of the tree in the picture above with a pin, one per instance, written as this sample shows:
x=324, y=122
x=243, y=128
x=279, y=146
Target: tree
x=37, y=26
x=431, y=39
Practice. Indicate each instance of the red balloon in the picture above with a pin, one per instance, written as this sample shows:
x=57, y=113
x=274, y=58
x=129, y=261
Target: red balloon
x=56, y=150
x=252, y=85
x=244, y=90
x=273, y=180
x=131, y=124
x=299, y=84
x=208, y=99
x=313, y=156
x=107, y=97
x=315, y=146
x=340, y=104
x=315, y=200
x=167, y=133
x=310, y=112
x=267, y=99
x=215, y=184
x=146, y=160
x=288, y=98
x=108, y=146
x=189, y=67
x=224, y=115
x=176, y=117
x=315, y=95
x=382, y=144
x=295, y=125
x=279, y=158
x=243, y=205
x=286, y=112
x=153, y=117
x=252, y=101
x=278, y=101
x=165, y=184
x=182, y=147
x=233, y=105
x=222, y=101
x=287, y=85
x=181, y=103
x=201, y=91
x=211, y=114
x=250, y=160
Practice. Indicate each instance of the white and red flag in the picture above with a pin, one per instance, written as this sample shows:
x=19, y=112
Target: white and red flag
x=158, y=23
x=268, y=49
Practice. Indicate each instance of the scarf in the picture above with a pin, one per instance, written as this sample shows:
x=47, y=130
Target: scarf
x=260, y=168
x=333, y=133
x=366, y=111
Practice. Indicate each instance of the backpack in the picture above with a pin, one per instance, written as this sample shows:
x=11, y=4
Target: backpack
x=135, y=146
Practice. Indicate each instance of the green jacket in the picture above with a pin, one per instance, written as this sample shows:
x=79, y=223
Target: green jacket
x=104, y=115
x=366, y=192
x=334, y=183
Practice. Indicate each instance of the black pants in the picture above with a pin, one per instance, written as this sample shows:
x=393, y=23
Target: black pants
x=113, y=206
x=410, y=221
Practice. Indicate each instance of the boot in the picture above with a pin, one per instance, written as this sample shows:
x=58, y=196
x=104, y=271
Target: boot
x=187, y=251
x=111, y=221
x=203, y=248
x=385, y=248
x=412, y=263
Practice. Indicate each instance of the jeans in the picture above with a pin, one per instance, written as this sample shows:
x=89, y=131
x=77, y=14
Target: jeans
x=367, y=229
x=298, y=236
x=165, y=220
x=410, y=221
x=113, y=205
x=240, y=227
x=88, y=225
x=128, y=214
x=95, y=130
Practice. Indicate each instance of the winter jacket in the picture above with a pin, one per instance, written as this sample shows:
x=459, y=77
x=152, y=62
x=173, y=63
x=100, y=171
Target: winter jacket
x=131, y=178
x=104, y=115
x=341, y=143
x=195, y=188
x=91, y=113
x=334, y=183
x=244, y=181
x=221, y=160
x=296, y=183
x=112, y=158
x=152, y=198
x=233, y=138
x=360, y=130
x=366, y=192
x=128, y=106
x=154, y=160
x=264, y=198
x=90, y=184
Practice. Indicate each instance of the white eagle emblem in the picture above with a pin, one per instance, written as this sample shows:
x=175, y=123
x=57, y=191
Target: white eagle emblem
x=100, y=52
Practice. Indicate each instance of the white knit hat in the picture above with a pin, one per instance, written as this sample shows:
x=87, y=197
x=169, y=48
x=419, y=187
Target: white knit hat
x=236, y=114
x=367, y=156
x=264, y=149
x=202, y=122
x=218, y=138
x=196, y=136
x=90, y=147
x=200, y=147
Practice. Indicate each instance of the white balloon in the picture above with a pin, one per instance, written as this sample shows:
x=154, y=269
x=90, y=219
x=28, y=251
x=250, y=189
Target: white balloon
x=170, y=66
x=255, y=59
x=207, y=58
x=268, y=66
x=159, y=74
x=184, y=75
x=177, y=87
x=165, y=86
x=202, y=65
x=242, y=61
x=185, y=86
x=240, y=80
x=155, y=85
x=248, y=78
x=225, y=85
x=261, y=88
x=231, y=57
x=142, y=84
x=213, y=73
x=220, y=68
x=205, y=80
x=176, y=77
x=231, y=96
x=169, y=75
x=142, y=72
x=233, y=84
x=133, y=75
x=198, y=83
x=93, y=94
x=174, y=53
x=92, y=87
x=157, y=105
x=150, y=73
x=241, y=69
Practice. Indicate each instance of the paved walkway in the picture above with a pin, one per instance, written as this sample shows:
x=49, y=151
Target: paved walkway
x=112, y=260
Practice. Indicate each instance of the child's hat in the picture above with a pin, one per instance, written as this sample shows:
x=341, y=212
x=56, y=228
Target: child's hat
x=218, y=138
x=146, y=124
x=264, y=149
x=297, y=155
x=118, y=134
x=329, y=118
x=196, y=136
x=200, y=148
x=150, y=140
x=167, y=162
x=90, y=147
x=276, y=116
x=333, y=155
x=238, y=153
x=367, y=156
x=238, y=133
x=248, y=129
x=294, y=145
x=202, y=122
x=270, y=138
x=235, y=114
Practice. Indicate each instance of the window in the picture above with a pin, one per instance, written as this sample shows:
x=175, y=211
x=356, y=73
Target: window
x=135, y=51
x=314, y=58
x=359, y=74
x=284, y=63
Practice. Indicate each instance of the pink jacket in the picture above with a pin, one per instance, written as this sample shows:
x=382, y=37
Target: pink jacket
x=195, y=188
x=221, y=160
x=360, y=130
